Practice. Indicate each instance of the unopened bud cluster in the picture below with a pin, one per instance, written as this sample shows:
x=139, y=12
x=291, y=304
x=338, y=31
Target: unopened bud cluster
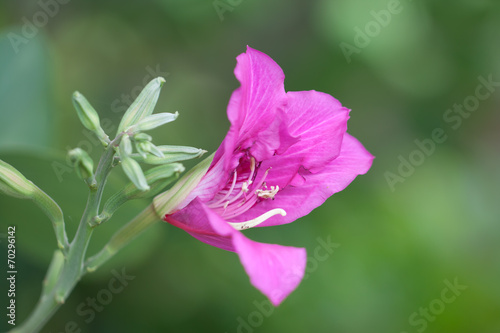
x=132, y=147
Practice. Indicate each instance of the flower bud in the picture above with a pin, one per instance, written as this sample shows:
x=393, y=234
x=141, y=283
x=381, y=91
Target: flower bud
x=170, y=154
x=13, y=183
x=139, y=137
x=89, y=117
x=125, y=146
x=143, y=105
x=145, y=147
x=170, y=201
x=143, y=144
x=155, y=151
x=134, y=172
x=153, y=121
x=83, y=164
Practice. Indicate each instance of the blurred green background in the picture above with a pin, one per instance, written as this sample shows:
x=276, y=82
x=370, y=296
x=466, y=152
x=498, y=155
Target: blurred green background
x=400, y=239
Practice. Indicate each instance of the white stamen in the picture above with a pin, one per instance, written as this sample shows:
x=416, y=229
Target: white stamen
x=218, y=202
x=268, y=194
x=258, y=220
x=244, y=187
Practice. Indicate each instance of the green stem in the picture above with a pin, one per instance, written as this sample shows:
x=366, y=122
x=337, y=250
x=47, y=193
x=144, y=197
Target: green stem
x=55, y=214
x=53, y=272
x=123, y=236
x=73, y=268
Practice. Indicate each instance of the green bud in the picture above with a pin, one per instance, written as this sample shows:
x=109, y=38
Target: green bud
x=142, y=143
x=143, y=105
x=155, y=151
x=134, y=172
x=13, y=183
x=142, y=137
x=89, y=117
x=125, y=146
x=170, y=154
x=169, y=201
x=83, y=164
x=145, y=147
x=153, y=121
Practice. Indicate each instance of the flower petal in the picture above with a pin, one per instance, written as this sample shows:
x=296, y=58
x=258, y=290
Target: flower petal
x=252, y=108
x=298, y=201
x=275, y=270
x=198, y=220
x=321, y=122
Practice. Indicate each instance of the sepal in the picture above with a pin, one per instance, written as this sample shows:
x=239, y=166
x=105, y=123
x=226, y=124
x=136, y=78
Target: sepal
x=167, y=202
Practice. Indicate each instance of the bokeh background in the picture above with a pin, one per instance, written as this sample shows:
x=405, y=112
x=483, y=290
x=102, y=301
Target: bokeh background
x=397, y=244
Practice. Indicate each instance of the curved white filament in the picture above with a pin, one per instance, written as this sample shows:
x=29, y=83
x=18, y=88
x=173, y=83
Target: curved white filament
x=258, y=220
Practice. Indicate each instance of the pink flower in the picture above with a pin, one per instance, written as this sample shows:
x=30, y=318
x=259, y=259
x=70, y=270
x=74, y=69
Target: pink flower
x=283, y=156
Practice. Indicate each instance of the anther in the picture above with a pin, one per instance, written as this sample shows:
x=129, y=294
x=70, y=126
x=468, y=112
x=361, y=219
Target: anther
x=268, y=194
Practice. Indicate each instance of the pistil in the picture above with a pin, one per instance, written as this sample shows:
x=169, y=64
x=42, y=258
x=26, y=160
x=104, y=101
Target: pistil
x=258, y=220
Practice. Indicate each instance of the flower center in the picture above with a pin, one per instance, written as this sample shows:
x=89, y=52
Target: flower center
x=242, y=193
